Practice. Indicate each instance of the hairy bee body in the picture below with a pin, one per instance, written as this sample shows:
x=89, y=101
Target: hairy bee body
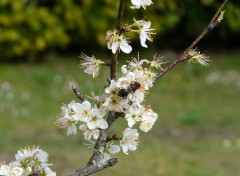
x=131, y=88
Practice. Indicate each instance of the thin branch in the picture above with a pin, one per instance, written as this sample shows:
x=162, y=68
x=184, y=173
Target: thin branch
x=113, y=68
x=96, y=164
x=184, y=56
x=91, y=169
x=78, y=94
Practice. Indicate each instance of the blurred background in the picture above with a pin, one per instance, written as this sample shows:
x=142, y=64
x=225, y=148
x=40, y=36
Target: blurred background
x=197, y=133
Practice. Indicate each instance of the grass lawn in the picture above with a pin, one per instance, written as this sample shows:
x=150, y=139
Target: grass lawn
x=197, y=133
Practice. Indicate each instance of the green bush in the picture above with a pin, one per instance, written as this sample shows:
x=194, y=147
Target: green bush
x=30, y=27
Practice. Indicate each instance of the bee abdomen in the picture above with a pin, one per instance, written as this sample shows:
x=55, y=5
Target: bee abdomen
x=123, y=92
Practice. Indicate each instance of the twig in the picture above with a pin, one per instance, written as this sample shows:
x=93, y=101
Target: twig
x=96, y=164
x=91, y=169
x=183, y=56
x=78, y=94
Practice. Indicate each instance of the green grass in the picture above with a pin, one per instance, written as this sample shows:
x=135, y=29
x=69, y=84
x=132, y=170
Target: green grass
x=197, y=133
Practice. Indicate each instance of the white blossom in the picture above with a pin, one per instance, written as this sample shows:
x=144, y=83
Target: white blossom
x=49, y=172
x=146, y=125
x=98, y=99
x=136, y=97
x=91, y=65
x=148, y=119
x=112, y=89
x=123, y=69
x=149, y=115
x=33, y=160
x=136, y=63
x=96, y=120
x=149, y=78
x=145, y=78
x=197, y=57
x=34, y=154
x=157, y=62
x=67, y=110
x=28, y=171
x=113, y=102
x=114, y=149
x=125, y=81
x=68, y=123
x=141, y=3
x=89, y=134
x=116, y=42
x=82, y=111
x=129, y=140
x=134, y=115
x=9, y=170
x=144, y=31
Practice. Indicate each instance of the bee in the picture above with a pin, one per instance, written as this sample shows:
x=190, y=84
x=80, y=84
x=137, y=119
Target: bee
x=131, y=88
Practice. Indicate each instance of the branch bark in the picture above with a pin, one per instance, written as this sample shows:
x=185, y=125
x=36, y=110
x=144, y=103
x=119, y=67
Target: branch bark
x=91, y=169
x=184, y=55
x=95, y=164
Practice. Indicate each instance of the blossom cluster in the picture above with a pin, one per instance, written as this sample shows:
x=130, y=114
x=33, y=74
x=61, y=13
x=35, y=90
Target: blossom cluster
x=117, y=41
x=89, y=117
x=126, y=96
x=29, y=161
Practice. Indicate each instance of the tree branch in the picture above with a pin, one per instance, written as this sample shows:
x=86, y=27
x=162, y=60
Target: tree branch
x=113, y=68
x=91, y=169
x=184, y=55
x=96, y=164
x=78, y=94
